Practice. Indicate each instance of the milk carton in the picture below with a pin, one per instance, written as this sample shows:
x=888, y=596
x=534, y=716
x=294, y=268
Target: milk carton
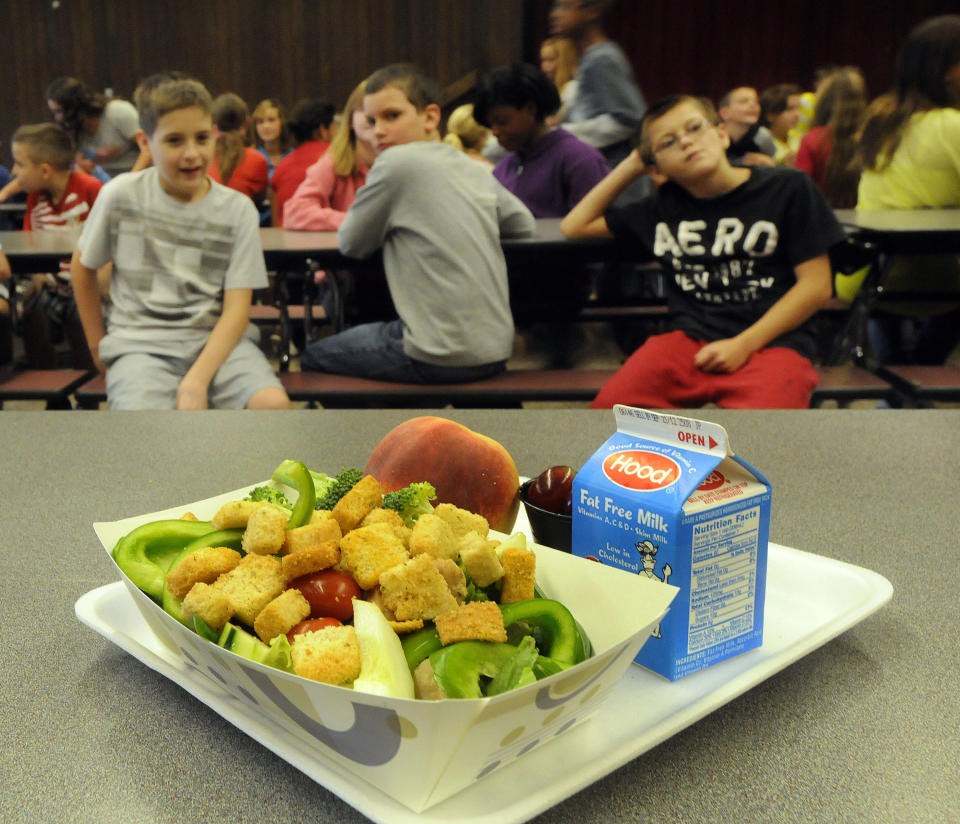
x=665, y=498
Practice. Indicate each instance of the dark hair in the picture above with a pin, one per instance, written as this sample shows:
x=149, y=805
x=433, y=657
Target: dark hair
x=515, y=85
x=774, y=101
x=309, y=115
x=931, y=49
x=78, y=102
x=420, y=90
x=47, y=143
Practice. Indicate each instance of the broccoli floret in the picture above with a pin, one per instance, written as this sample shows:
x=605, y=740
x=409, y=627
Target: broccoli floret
x=339, y=486
x=411, y=501
x=270, y=495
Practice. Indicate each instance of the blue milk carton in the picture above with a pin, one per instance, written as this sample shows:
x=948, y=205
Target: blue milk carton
x=666, y=498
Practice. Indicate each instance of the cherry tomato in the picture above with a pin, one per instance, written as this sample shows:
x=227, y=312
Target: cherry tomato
x=312, y=625
x=553, y=490
x=329, y=592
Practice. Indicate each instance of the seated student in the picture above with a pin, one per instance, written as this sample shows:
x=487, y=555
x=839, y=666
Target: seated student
x=420, y=200
x=186, y=255
x=827, y=149
x=558, y=61
x=465, y=134
x=310, y=123
x=321, y=201
x=104, y=127
x=58, y=200
x=273, y=140
x=779, y=112
x=751, y=144
x=549, y=169
x=607, y=106
x=910, y=156
x=235, y=164
x=747, y=249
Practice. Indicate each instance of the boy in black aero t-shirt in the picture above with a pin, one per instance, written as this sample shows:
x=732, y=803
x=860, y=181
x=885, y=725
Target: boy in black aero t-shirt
x=745, y=253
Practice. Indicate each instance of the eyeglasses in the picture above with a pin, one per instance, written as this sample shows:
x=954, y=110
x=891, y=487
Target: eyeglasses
x=693, y=129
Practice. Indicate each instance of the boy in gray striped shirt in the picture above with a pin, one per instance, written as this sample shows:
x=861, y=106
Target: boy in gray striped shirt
x=186, y=258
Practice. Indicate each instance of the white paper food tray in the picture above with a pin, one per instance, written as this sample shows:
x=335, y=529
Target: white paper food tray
x=416, y=752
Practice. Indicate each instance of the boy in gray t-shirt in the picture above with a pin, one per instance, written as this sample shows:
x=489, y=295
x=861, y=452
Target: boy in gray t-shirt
x=186, y=258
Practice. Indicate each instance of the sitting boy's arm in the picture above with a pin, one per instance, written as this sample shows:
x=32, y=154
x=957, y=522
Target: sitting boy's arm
x=226, y=333
x=515, y=219
x=586, y=218
x=812, y=289
x=86, y=293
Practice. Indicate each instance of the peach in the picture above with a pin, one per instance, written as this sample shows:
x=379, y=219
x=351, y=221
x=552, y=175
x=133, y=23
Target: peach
x=466, y=468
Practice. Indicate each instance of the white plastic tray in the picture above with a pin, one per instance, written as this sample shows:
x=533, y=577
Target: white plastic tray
x=810, y=600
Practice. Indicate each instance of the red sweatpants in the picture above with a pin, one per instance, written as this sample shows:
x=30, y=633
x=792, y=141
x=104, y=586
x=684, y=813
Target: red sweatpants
x=661, y=375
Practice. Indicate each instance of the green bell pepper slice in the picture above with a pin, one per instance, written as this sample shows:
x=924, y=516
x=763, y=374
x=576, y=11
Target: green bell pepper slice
x=419, y=645
x=460, y=669
x=296, y=474
x=144, y=555
x=563, y=641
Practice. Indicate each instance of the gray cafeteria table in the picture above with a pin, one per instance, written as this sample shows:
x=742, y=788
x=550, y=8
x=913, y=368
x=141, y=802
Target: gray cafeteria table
x=862, y=729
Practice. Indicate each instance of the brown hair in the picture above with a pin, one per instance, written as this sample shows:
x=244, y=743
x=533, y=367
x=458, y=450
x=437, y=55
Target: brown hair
x=230, y=114
x=168, y=96
x=285, y=139
x=659, y=109
x=420, y=90
x=931, y=49
x=47, y=143
x=840, y=108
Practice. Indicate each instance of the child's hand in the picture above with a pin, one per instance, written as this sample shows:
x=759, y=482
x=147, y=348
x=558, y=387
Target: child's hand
x=191, y=396
x=726, y=355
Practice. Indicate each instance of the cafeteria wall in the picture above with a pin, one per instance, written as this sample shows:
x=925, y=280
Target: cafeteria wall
x=294, y=48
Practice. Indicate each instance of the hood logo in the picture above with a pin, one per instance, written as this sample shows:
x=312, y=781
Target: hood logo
x=641, y=470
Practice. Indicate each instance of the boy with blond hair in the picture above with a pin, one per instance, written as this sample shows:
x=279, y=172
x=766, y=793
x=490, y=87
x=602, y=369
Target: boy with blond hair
x=745, y=250
x=186, y=254
x=439, y=217
x=58, y=200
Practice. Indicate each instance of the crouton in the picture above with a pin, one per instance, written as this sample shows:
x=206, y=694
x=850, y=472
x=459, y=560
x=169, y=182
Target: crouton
x=403, y=627
x=251, y=585
x=281, y=615
x=265, y=532
x=189, y=516
x=415, y=589
x=390, y=517
x=206, y=565
x=453, y=575
x=461, y=521
x=353, y=507
x=519, y=566
x=480, y=559
x=330, y=655
x=476, y=621
x=320, y=515
x=235, y=514
x=209, y=604
x=369, y=551
x=312, y=559
x=310, y=535
x=432, y=535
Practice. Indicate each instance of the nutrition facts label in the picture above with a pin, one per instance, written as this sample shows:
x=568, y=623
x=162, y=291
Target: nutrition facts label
x=723, y=578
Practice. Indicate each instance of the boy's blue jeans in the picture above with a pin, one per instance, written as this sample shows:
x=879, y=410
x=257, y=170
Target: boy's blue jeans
x=375, y=350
